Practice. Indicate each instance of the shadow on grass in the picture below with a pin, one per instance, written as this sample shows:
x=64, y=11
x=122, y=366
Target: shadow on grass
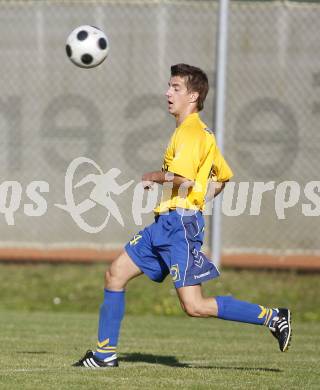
x=153, y=359
x=172, y=361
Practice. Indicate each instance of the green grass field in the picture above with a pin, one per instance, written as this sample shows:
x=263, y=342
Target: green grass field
x=159, y=348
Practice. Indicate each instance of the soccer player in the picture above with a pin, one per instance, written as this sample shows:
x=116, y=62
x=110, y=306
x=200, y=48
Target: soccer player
x=172, y=244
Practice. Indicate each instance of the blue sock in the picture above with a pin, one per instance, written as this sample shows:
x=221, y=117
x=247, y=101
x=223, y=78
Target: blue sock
x=232, y=309
x=111, y=314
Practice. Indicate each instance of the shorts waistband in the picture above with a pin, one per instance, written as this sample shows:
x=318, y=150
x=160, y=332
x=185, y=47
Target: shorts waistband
x=180, y=211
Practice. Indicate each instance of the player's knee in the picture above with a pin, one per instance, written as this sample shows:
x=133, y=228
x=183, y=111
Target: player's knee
x=113, y=280
x=191, y=309
x=196, y=308
x=107, y=277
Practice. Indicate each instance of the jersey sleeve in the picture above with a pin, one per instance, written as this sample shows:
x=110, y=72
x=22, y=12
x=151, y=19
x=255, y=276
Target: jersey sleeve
x=186, y=155
x=221, y=171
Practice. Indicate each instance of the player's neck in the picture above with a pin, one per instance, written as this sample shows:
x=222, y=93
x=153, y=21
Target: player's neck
x=180, y=117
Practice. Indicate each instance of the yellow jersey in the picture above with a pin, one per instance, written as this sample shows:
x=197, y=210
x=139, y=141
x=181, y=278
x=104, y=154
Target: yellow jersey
x=192, y=153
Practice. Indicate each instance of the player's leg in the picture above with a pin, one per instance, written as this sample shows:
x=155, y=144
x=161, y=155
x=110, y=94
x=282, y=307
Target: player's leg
x=139, y=257
x=190, y=267
x=224, y=307
x=229, y=308
x=111, y=313
x=120, y=272
x=195, y=304
x=112, y=309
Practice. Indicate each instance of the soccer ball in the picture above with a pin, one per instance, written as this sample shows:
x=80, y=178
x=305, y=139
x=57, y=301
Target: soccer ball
x=87, y=46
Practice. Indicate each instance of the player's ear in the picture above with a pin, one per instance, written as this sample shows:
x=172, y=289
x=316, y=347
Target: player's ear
x=193, y=97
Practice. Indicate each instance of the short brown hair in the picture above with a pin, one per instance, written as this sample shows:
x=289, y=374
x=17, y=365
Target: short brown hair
x=196, y=81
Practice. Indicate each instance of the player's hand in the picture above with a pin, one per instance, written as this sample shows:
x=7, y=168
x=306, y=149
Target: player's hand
x=147, y=181
x=147, y=184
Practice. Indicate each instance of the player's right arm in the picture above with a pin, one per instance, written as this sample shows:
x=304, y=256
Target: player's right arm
x=161, y=177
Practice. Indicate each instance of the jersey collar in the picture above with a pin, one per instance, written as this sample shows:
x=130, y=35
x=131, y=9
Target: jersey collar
x=189, y=118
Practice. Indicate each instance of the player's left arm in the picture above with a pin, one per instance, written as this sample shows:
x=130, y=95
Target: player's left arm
x=220, y=174
x=214, y=189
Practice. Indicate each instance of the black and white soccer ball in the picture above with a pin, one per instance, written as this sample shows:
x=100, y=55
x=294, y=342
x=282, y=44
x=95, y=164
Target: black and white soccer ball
x=87, y=46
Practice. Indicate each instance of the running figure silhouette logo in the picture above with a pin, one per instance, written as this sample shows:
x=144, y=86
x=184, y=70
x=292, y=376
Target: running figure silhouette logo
x=105, y=186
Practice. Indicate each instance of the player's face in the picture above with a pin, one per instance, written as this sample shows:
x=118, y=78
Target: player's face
x=178, y=97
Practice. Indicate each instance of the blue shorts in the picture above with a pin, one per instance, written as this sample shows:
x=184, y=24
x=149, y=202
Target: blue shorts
x=172, y=245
